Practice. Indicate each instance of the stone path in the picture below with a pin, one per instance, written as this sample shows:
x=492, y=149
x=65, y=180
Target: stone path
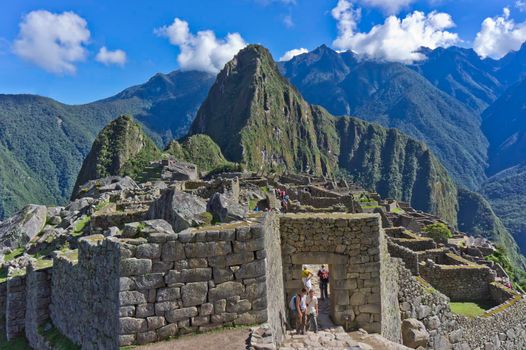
x=223, y=340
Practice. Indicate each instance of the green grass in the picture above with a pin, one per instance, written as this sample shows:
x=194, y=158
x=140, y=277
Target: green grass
x=14, y=254
x=19, y=343
x=57, y=340
x=80, y=225
x=470, y=309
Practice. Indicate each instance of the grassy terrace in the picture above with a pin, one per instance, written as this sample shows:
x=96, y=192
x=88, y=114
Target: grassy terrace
x=470, y=309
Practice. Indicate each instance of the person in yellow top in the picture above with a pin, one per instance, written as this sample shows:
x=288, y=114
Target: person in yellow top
x=306, y=276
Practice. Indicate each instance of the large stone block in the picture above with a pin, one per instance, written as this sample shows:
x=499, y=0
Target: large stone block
x=148, y=251
x=155, y=322
x=181, y=314
x=225, y=290
x=189, y=275
x=414, y=333
x=131, y=298
x=252, y=269
x=168, y=294
x=194, y=293
x=222, y=275
x=167, y=331
x=144, y=310
x=173, y=251
x=180, y=209
x=249, y=246
x=129, y=325
x=207, y=249
x=239, y=258
x=149, y=281
x=134, y=267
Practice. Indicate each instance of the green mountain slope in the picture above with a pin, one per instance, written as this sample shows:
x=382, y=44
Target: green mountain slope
x=121, y=148
x=199, y=150
x=394, y=95
x=44, y=142
x=506, y=191
x=477, y=217
x=461, y=73
x=258, y=118
x=505, y=127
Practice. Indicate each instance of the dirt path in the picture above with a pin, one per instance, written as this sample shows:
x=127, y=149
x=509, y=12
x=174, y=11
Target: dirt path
x=235, y=339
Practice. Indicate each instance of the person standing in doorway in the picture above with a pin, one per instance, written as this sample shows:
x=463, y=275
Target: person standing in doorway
x=323, y=275
x=298, y=308
x=312, y=310
x=306, y=276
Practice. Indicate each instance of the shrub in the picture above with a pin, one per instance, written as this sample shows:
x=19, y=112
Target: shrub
x=438, y=231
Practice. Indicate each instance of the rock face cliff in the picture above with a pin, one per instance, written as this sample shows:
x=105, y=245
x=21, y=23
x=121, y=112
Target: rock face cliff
x=258, y=118
x=121, y=148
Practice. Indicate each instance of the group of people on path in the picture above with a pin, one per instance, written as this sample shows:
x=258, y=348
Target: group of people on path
x=304, y=305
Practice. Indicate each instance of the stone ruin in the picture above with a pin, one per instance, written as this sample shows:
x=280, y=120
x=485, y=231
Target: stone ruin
x=148, y=265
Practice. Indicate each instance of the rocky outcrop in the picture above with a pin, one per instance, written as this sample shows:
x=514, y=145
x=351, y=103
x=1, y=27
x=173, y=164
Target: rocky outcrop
x=414, y=333
x=94, y=188
x=22, y=227
x=121, y=148
x=180, y=209
x=225, y=208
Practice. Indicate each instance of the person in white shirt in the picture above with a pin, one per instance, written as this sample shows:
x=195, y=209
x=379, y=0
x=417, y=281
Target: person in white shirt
x=312, y=311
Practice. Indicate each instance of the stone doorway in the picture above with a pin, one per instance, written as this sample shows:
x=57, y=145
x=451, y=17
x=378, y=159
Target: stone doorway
x=354, y=248
x=336, y=264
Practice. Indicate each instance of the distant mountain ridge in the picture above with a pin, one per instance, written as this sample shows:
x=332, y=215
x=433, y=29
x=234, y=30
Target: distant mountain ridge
x=44, y=142
x=396, y=96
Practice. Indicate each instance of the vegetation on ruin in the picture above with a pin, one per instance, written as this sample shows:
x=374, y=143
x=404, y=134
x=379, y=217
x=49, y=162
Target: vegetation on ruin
x=121, y=148
x=202, y=151
x=470, y=309
x=517, y=275
x=81, y=225
x=19, y=343
x=15, y=253
x=56, y=339
x=438, y=231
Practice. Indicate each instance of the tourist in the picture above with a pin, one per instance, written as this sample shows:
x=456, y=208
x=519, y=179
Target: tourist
x=312, y=310
x=323, y=275
x=298, y=308
x=306, y=276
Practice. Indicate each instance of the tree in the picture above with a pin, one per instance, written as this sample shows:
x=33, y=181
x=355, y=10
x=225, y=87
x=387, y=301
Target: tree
x=438, y=231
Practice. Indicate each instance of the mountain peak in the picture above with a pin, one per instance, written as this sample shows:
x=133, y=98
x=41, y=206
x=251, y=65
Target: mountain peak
x=121, y=148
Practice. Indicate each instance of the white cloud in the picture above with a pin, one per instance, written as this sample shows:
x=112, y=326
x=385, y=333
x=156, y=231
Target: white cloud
x=108, y=57
x=499, y=35
x=521, y=5
x=288, y=21
x=390, y=7
x=52, y=41
x=396, y=39
x=291, y=53
x=201, y=51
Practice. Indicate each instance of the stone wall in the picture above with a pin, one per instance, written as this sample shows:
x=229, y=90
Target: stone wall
x=276, y=305
x=349, y=243
x=196, y=280
x=15, y=306
x=500, y=293
x=38, y=298
x=459, y=282
x=84, y=297
x=504, y=327
x=391, y=322
x=409, y=257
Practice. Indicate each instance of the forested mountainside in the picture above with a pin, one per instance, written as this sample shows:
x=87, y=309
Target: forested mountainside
x=394, y=95
x=44, y=142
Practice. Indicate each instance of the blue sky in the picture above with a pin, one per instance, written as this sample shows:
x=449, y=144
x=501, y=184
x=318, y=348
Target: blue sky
x=280, y=25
